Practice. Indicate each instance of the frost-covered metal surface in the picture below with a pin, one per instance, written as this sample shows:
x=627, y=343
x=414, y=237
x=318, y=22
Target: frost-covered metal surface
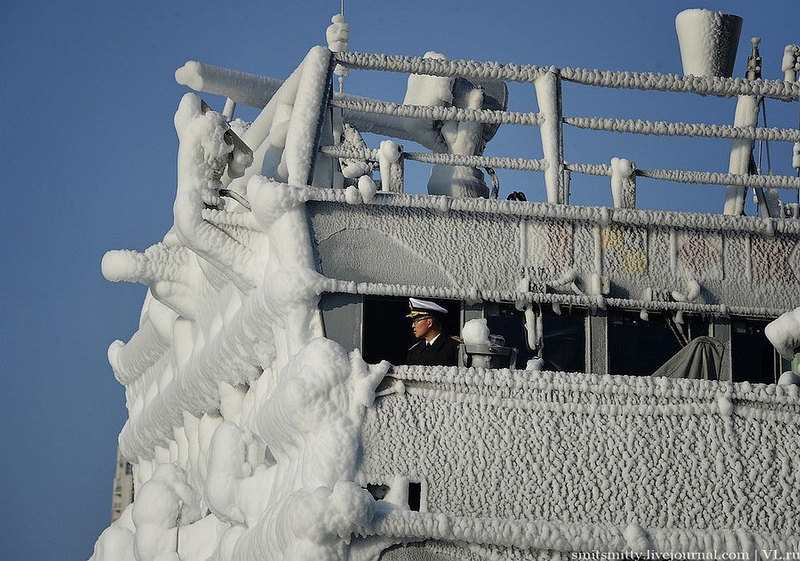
x=694, y=465
x=493, y=246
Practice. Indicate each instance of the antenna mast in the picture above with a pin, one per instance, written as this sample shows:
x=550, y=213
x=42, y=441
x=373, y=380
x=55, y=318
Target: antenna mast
x=338, y=36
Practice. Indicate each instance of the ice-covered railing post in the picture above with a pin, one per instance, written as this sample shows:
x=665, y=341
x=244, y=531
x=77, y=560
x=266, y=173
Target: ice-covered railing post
x=790, y=65
x=623, y=183
x=548, y=96
x=390, y=159
x=338, y=37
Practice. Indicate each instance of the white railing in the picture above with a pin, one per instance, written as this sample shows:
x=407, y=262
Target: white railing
x=549, y=119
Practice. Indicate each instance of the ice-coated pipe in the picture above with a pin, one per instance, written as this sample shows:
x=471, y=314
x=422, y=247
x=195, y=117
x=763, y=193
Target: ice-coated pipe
x=741, y=151
x=242, y=87
x=796, y=156
x=307, y=118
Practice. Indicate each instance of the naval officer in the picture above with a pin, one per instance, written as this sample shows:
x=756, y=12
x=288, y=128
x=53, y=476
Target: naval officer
x=433, y=346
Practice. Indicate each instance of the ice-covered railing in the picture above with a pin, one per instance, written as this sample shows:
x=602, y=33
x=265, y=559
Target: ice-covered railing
x=547, y=82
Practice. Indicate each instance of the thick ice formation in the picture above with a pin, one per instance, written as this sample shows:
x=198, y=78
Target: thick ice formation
x=243, y=422
x=651, y=462
x=475, y=332
x=784, y=333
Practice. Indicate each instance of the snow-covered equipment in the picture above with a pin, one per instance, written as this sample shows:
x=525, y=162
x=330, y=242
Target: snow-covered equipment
x=700, y=359
x=708, y=41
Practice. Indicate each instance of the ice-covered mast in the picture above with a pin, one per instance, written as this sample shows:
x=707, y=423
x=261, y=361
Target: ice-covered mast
x=338, y=37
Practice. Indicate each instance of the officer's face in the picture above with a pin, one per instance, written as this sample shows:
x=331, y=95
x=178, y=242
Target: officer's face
x=421, y=326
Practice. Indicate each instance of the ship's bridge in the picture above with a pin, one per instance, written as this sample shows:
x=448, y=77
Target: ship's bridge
x=252, y=425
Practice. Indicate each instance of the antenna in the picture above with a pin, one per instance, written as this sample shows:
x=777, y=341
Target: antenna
x=338, y=36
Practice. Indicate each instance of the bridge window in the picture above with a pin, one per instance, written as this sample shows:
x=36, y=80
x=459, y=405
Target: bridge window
x=386, y=332
x=638, y=347
x=753, y=357
x=564, y=335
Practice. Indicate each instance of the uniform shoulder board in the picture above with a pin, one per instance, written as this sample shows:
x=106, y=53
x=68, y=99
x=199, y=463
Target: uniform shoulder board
x=414, y=345
x=457, y=339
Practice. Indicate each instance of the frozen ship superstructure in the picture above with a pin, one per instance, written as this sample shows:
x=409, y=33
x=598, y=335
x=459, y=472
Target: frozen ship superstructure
x=267, y=420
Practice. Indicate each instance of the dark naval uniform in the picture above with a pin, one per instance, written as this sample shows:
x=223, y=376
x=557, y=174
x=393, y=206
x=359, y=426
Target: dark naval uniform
x=443, y=352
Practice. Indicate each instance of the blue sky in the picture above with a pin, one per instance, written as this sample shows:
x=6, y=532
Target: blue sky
x=89, y=165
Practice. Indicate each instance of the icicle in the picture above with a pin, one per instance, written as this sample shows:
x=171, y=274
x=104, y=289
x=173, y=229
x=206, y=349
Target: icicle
x=533, y=328
x=647, y=296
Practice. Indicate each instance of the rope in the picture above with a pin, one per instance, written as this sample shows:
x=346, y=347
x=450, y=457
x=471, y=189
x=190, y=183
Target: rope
x=696, y=177
x=349, y=287
x=703, y=85
x=602, y=170
x=595, y=215
x=656, y=128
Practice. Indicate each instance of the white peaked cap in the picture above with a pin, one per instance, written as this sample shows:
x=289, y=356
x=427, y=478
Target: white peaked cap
x=424, y=307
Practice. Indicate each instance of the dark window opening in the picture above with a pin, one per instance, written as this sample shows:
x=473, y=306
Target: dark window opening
x=563, y=339
x=386, y=332
x=638, y=347
x=753, y=357
x=414, y=495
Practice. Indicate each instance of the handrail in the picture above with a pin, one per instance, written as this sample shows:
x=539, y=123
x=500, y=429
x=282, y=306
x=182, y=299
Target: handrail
x=634, y=126
x=702, y=85
x=439, y=158
x=526, y=73
x=488, y=116
x=669, y=128
x=551, y=120
x=525, y=164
